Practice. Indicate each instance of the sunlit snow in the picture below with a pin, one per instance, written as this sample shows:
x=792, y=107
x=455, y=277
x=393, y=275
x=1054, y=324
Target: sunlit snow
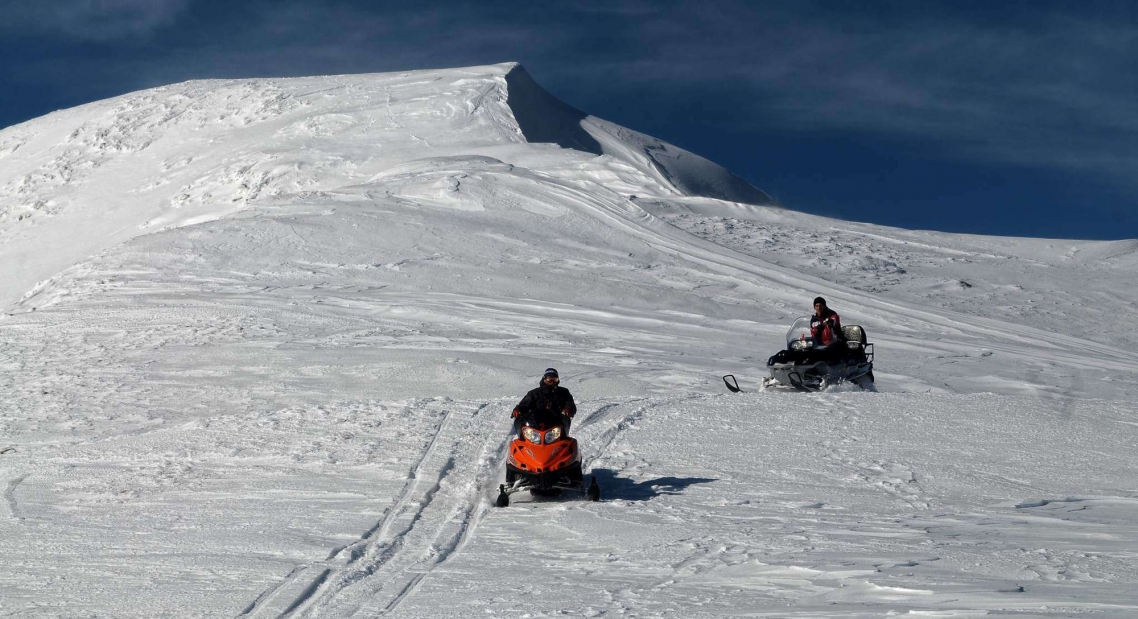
x=261, y=338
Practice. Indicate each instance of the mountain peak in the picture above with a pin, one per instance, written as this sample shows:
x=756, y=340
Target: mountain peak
x=545, y=118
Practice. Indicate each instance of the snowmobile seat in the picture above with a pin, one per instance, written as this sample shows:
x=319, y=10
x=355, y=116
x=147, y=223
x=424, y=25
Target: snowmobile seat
x=860, y=349
x=854, y=336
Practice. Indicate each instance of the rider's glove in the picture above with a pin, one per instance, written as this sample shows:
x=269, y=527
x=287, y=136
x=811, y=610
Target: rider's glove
x=568, y=413
x=514, y=415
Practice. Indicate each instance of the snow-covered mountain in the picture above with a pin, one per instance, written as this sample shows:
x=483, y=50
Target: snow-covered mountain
x=79, y=181
x=260, y=340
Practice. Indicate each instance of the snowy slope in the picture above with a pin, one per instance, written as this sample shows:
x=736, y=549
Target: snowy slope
x=261, y=338
x=82, y=180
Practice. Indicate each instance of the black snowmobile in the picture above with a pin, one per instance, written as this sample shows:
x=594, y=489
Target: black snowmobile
x=809, y=367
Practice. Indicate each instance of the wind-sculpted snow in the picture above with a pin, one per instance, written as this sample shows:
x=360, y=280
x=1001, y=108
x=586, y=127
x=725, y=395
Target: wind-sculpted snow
x=262, y=338
x=86, y=179
x=818, y=506
x=1066, y=287
x=543, y=118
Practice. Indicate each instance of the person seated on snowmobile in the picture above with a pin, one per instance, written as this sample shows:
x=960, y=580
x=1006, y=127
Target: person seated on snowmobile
x=548, y=398
x=825, y=324
x=826, y=329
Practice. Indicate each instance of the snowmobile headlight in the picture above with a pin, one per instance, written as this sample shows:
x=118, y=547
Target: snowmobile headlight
x=531, y=435
x=553, y=435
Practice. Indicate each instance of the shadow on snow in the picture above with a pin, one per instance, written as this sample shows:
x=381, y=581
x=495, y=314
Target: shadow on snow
x=613, y=487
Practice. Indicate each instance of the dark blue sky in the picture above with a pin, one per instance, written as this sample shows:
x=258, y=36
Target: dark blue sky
x=1020, y=119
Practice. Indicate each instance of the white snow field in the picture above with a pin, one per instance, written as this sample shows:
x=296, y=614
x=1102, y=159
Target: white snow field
x=260, y=340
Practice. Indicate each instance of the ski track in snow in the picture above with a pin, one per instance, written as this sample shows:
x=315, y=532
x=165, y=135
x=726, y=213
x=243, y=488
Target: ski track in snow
x=272, y=378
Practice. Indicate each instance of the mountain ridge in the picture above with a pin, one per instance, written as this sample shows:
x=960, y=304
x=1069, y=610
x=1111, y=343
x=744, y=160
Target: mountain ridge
x=206, y=148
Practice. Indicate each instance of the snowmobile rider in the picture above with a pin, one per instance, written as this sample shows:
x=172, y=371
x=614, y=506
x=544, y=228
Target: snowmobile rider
x=825, y=324
x=549, y=397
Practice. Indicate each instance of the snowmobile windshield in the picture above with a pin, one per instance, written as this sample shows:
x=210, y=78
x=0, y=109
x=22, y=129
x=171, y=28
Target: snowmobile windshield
x=541, y=420
x=798, y=337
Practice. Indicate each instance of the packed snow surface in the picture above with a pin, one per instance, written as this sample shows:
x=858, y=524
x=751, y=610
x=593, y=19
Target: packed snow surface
x=261, y=338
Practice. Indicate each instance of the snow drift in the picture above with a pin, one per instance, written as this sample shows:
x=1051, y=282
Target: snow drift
x=544, y=118
x=261, y=339
x=200, y=150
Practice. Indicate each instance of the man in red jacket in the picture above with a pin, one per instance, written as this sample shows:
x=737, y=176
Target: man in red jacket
x=825, y=324
x=548, y=399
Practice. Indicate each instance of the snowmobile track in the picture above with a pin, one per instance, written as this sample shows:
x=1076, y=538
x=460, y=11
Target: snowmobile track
x=430, y=521
x=270, y=592
x=461, y=521
x=598, y=444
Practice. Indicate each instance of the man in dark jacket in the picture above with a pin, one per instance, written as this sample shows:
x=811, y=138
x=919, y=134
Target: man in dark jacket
x=550, y=398
x=825, y=324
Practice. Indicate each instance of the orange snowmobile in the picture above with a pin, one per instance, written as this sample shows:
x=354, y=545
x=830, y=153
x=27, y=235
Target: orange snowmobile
x=544, y=459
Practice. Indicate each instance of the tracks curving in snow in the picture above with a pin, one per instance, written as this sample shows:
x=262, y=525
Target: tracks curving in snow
x=434, y=515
